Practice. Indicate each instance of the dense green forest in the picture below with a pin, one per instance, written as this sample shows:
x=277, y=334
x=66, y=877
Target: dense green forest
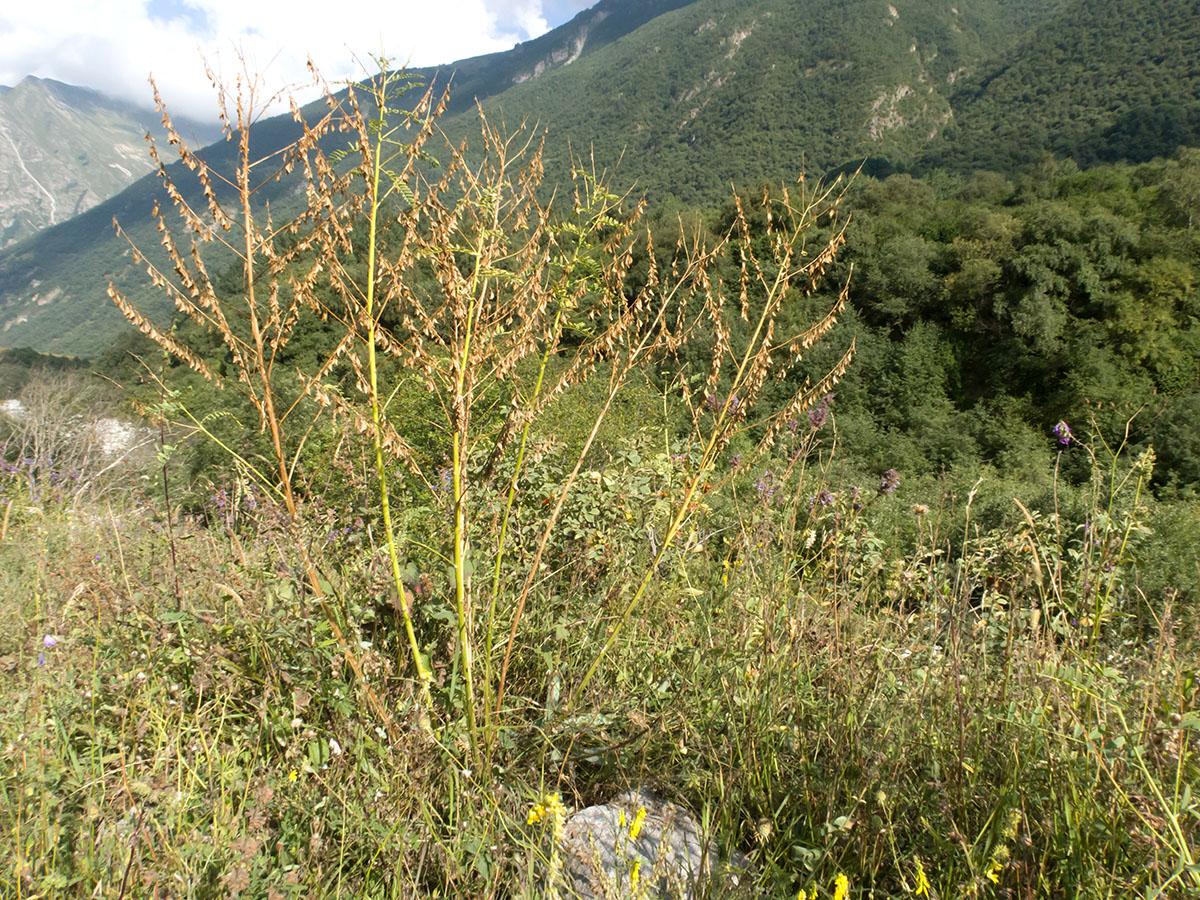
x=990, y=309
x=1102, y=80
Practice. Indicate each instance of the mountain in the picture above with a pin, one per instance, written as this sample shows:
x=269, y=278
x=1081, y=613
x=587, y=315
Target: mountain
x=52, y=285
x=63, y=149
x=726, y=92
x=1100, y=81
x=688, y=97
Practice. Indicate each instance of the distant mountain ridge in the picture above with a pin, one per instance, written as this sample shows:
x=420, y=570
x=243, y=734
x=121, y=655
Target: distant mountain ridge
x=692, y=97
x=64, y=149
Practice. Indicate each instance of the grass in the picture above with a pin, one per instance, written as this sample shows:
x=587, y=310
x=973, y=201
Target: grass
x=829, y=704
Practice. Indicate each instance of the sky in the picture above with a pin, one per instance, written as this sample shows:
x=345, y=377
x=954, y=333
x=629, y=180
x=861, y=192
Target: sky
x=113, y=45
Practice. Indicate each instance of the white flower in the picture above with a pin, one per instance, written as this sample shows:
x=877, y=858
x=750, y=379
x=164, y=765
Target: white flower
x=297, y=722
x=334, y=747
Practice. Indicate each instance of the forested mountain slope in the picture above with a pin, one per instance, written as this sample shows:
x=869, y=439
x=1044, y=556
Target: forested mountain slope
x=686, y=99
x=1103, y=80
x=721, y=92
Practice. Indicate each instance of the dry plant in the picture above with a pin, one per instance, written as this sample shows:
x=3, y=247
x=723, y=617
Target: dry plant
x=492, y=297
x=57, y=434
x=279, y=269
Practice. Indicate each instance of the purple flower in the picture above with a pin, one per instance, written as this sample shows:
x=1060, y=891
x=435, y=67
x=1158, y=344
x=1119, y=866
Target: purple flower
x=889, y=481
x=1062, y=431
x=765, y=485
x=824, y=496
x=41, y=658
x=818, y=414
x=49, y=641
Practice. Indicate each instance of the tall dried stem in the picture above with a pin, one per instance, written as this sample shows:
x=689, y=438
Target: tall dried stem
x=277, y=280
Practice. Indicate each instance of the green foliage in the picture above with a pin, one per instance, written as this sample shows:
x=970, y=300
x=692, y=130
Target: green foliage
x=1099, y=80
x=843, y=681
x=991, y=311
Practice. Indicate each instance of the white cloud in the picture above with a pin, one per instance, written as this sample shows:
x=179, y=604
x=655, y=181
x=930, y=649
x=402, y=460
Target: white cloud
x=113, y=45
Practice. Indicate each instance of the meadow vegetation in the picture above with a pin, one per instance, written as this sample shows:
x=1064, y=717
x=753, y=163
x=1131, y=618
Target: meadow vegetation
x=463, y=501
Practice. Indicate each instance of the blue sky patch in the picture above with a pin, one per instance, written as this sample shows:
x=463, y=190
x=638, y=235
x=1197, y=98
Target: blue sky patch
x=172, y=10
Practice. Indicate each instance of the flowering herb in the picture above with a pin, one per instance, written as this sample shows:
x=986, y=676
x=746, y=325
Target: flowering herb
x=889, y=481
x=818, y=414
x=921, y=888
x=1062, y=431
x=993, y=872
x=636, y=828
x=765, y=485
x=549, y=809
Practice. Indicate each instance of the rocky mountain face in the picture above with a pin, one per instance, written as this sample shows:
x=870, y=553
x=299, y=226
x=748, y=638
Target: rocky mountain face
x=64, y=149
x=685, y=98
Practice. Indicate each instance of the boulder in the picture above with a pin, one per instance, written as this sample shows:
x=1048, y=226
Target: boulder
x=639, y=846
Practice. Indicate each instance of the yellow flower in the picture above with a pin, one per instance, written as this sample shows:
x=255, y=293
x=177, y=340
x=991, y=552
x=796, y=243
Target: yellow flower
x=803, y=895
x=922, y=887
x=549, y=809
x=633, y=876
x=636, y=828
x=293, y=775
x=841, y=887
x=993, y=872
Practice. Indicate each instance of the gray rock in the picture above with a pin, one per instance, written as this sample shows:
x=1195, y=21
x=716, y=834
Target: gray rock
x=669, y=854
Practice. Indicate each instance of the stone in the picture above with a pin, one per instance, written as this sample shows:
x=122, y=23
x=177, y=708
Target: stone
x=639, y=846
